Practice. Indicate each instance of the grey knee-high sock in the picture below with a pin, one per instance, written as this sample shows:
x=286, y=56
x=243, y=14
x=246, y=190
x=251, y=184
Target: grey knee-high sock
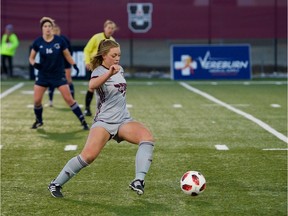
x=72, y=167
x=143, y=159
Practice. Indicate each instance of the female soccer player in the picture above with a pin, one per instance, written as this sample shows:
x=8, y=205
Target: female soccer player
x=112, y=121
x=67, y=66
x=51, y=49
x=90, y=50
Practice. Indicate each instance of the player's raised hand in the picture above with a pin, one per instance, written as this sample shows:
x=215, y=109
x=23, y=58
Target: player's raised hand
x=114, y=69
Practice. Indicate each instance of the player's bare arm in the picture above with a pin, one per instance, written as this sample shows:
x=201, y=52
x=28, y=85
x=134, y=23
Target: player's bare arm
x=88, y=66
x=68, y=56
x=32, y=57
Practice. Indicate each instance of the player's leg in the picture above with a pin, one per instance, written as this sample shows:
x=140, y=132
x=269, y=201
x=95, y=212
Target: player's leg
x=50, y=95
x=69, y=80
x=10, y=65
x=96, y=140
x=4, y=66
x=88, y=99
x=65, y=92
x=137, y=133
x=38, y=108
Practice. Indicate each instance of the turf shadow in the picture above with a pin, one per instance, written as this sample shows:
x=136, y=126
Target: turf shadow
x=140, y=206
x=59, y=136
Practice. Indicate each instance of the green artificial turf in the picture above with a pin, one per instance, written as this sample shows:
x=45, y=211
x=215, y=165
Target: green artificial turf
x=248, y=179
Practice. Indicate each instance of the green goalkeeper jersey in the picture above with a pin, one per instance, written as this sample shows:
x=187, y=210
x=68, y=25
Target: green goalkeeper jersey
x=91, y=47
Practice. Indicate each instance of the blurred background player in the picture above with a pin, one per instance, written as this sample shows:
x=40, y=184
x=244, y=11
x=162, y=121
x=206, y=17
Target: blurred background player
x=9, y=44
x=52, y=49
x=67, y=66
x=90, y=50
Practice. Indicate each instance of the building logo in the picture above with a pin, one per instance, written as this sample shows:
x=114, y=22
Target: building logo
x=139, y=17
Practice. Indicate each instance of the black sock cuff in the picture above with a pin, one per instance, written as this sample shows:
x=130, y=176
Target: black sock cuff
x=74, y=106
x=38, y=107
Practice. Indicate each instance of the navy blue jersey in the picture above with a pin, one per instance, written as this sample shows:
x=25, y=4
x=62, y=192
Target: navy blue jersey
x=51, y=57
x=66, y=63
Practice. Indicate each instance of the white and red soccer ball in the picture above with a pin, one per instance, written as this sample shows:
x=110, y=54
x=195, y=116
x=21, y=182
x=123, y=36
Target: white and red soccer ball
x=193, y=183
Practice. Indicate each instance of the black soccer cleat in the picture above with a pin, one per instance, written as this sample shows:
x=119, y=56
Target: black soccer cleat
x=85, y=125
x=87, y=112
x=36, y=124
x=55, y=190
x=138, y=186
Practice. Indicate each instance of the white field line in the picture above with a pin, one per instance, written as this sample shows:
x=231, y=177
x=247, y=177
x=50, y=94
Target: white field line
x=246, y=115
x=177, y=105
x=10, y=90
x=221, y=147
x=129, y=105
x=70, y=148
x=276, y=149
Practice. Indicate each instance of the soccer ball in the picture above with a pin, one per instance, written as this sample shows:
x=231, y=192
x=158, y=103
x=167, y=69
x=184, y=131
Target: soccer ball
x=193, y=183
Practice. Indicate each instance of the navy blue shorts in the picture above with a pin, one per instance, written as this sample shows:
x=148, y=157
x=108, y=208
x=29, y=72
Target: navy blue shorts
x=51, y=83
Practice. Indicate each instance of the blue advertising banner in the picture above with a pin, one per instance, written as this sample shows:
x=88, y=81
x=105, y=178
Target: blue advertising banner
x=210, y=62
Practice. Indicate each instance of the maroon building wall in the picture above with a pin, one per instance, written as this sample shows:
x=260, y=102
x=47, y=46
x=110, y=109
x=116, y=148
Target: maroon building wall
x=181, y=19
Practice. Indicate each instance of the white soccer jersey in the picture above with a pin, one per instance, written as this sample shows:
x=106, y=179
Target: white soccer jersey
x=111, y=98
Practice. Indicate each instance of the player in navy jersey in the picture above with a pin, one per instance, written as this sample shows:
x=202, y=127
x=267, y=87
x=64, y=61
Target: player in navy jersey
x=112, y=121
x=52, y=50
x=67, y=66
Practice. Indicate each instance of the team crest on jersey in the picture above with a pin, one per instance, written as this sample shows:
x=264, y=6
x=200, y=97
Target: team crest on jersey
x=139, y=17
x=57, y=45
x=121, y=87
